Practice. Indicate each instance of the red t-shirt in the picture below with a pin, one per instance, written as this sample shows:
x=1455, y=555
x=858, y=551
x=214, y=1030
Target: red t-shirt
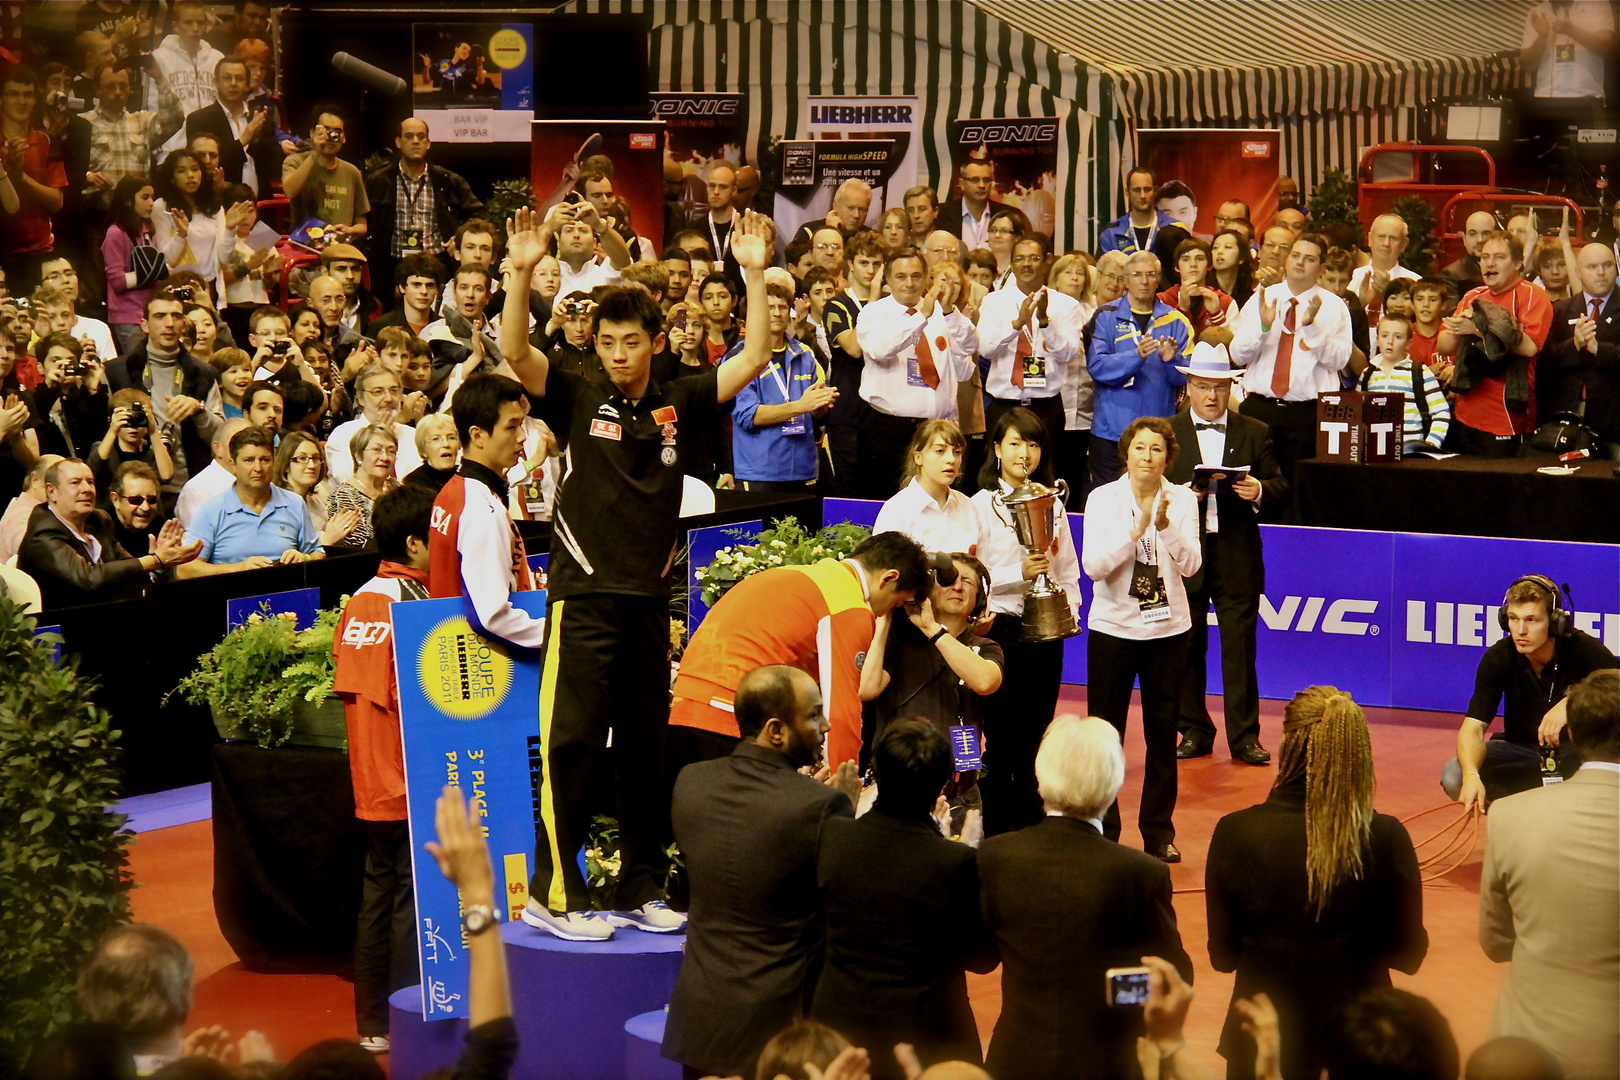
x=1422, y=347
x=363, y=653
x=1484, y=408
x=29, y=229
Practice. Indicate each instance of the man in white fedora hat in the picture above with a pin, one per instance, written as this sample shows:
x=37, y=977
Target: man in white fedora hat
x=1211, y=433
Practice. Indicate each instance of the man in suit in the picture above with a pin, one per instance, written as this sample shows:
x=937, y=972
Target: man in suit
x=1233, y=575
x=1579, y=368
x=248, y=151
x=968, y=218
x=899, y=941
x=70, y=550
x=1549, y=891
x=750, y=826
x=1064, y=904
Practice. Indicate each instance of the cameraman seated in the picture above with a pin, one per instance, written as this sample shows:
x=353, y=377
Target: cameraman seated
x=70, y=551
x=932, y=665
x=1533, y=667
x=252, y=523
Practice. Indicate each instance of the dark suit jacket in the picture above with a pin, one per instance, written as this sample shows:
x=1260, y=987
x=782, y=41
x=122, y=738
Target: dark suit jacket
x=454, y=204
x=750, y=827
x=1262, y=926
x=265, y=151
x=1065, y=904
x=60, y=562
x=1237, y=557
x=950, y=216
x=196, y=379
x=903, y=923
x=1563, y=370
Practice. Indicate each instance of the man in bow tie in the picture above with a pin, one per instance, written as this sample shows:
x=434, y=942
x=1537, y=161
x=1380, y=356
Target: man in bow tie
x=1233, y=574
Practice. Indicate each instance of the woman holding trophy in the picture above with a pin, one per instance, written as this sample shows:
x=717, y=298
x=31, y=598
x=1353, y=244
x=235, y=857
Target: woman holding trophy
x=1034, y=600
x=1141, y=539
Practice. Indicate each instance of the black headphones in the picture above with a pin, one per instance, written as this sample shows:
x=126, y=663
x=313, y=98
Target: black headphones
x=1558, y=620
x=944, y=568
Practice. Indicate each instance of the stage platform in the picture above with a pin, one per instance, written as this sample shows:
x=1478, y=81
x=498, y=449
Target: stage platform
x=173, y=870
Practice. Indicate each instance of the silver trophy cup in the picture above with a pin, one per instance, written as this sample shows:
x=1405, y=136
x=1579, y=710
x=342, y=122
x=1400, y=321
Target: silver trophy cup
x=1036, y=510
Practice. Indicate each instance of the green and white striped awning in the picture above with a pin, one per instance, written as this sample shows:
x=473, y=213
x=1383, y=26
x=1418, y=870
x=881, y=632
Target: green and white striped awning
x=1237, y=62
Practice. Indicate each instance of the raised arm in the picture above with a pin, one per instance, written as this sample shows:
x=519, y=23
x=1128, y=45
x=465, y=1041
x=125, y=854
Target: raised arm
x=751, y=248
x=525, y=247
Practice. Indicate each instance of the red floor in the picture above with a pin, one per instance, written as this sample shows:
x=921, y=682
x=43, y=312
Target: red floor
x=173, y=870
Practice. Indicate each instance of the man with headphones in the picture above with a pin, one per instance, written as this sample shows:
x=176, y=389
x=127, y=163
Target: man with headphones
x=1526, y=674
x=932, y=665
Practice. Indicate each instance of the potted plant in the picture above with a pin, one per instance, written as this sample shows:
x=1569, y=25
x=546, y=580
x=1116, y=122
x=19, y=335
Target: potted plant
x=271, y=683
x=787, y=543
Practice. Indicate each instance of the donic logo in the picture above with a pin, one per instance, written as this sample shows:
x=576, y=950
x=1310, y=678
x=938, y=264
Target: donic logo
x=1304, y=614
x=723, y=106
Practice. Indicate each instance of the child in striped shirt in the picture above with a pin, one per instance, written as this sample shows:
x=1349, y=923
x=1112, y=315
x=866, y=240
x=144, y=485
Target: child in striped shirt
x=1428, y=415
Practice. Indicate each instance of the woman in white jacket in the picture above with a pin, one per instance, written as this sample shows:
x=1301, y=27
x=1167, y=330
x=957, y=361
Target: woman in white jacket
x=189, y=226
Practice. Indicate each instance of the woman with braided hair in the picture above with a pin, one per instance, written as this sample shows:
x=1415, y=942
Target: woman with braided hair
x=1312, y=896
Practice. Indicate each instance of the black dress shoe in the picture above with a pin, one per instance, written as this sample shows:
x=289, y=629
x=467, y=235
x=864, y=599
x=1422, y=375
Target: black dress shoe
x=1165, y=852
x=1191, y=747
x=1252, y=754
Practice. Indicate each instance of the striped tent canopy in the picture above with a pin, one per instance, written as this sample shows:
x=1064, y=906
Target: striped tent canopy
x=1334, y=76
x=960, y=61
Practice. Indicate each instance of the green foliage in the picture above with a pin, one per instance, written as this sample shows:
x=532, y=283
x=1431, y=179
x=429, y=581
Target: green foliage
x=1333, y=200
x=1422, y=243
x=508, y=195
x=62, y=854
x=603, y=862
x=261, y=669
x=786, y=544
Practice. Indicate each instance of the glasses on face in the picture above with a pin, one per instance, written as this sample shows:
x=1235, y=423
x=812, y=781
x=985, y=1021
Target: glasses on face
x=140, y=500
x=1142, y=275
x=306, y=459
x=1026, y=260
x=997, y=230
x=829, y=247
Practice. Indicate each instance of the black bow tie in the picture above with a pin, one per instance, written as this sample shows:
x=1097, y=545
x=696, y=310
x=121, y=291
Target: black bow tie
x=1209, y=427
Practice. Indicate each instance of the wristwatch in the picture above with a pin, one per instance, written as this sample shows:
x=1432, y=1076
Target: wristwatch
x=478, y=918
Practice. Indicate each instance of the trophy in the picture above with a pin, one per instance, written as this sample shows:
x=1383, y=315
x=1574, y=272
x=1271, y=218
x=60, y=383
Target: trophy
x=1036, y=510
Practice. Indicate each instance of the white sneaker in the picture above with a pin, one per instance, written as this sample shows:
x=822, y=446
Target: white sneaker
x=654, y=917
x=574, y=926
x=377, y=1044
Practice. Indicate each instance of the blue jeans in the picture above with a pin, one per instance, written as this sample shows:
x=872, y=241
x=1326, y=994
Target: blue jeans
x=1508, y=768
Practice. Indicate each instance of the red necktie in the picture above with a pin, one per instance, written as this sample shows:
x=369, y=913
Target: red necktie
x=1285, y=353
x=1597, y=308
x=1024, y=351
x=925, y=357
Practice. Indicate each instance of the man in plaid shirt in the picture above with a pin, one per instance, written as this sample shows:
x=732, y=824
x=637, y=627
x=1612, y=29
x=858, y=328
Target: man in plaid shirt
x=110, y=142
x=416, y=206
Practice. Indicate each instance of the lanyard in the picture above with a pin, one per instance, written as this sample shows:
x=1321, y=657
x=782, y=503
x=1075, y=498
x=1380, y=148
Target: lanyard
x=776, y=373
x=413, y=188
x=720, y=250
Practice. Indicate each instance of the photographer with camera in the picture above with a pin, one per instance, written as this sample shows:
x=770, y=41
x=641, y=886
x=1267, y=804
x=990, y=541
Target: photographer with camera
x=129, y=438
x=322, y=185
x=72, y=401
x=569, y=330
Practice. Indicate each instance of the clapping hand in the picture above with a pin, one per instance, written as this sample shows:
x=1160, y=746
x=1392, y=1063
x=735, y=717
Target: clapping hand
x=169, y=546
x=1311, y=310
x=182, y=220
x=13, y=417
x=1260, y=1024
x=750, y=244
x=1461, y=324
x=819, y=396
x=1268, y=312
x=853, y=1064
x=1146, y=346
x=1585, y=334
x=254, y=126
x=237, y=213
x=950, y=290
x=1161, y=520
x=339, y=526
x=1167, y=349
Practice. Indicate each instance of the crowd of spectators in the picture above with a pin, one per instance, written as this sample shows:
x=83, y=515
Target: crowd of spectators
x=185, y=392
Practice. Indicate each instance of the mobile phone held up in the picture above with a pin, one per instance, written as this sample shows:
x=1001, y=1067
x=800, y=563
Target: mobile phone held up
x=1127, y=986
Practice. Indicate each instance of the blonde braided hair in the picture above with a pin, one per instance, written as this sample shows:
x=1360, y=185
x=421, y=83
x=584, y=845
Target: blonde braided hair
x=1325, y=740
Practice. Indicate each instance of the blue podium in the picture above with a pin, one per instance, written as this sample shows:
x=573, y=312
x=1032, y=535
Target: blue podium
x=571, y=1002
x=643, y=1035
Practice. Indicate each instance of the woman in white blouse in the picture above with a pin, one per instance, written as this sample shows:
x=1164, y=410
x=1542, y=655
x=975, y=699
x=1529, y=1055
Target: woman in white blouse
x=188, y=225
x=927, y=508
x=1141, y=539
x=1016, y=716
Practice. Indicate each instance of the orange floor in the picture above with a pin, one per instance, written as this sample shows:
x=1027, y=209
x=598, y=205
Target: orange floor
x=173, y=871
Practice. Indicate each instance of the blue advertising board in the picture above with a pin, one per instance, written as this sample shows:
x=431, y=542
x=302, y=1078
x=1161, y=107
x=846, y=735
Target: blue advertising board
x=701, y=545
x=1395, y=619
x=303, y=603
x=469, y=716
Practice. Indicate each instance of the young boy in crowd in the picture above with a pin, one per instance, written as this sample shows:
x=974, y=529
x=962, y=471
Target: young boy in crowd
x=1428, y=415
x=363, y=652
x=1428, y=308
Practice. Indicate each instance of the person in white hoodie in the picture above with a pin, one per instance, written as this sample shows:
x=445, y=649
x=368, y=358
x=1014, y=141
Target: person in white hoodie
x=187, y=61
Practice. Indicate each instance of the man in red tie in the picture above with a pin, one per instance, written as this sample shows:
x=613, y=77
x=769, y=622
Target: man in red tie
x=1294, y=339
x=917, y=346
x=1030, y=334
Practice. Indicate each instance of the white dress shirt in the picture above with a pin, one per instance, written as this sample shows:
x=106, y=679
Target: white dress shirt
x=199, y=489
x=975, y=230
x=888, y=334
x=1321, y=350
x=250, y=170
x=340, y=462
x=595, y=271
x=1396, y=273
x=1108, y=555
x=1003, y=555
x=914, y=512
x=1211, y=451
x=1058, y=341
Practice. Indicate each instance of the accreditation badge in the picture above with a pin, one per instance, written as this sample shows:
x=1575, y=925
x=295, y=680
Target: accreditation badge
x=1034, y=373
